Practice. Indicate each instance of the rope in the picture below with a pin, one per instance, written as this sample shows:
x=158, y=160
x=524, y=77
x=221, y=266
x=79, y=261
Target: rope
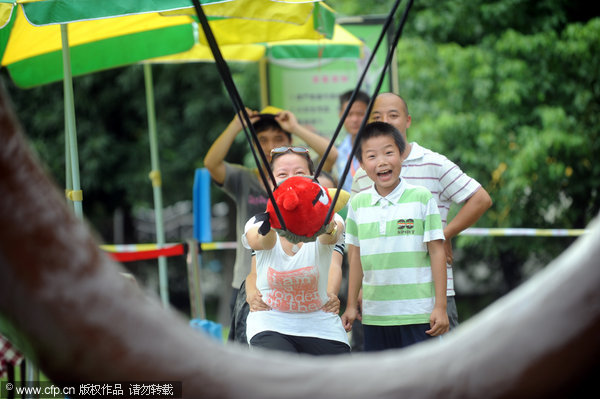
x=244, y=118
x=522, y=232
x=130, y=253
x=134, y=252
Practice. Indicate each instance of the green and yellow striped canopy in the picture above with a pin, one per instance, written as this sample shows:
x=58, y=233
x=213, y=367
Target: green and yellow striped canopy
x=105, y=35
x=343, y=45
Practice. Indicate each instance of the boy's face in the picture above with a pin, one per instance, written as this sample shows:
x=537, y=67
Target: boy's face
x=390, y=108
x=355, y=116
x=382, y=161
x=272, y=138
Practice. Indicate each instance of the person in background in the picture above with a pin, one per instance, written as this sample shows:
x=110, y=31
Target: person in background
x=352, y=125
x=442, y=177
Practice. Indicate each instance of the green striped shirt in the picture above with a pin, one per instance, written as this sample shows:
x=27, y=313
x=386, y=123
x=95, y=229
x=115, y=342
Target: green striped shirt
x=392, y=233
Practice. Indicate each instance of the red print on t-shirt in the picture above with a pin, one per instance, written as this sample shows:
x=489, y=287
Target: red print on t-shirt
x=294, y=291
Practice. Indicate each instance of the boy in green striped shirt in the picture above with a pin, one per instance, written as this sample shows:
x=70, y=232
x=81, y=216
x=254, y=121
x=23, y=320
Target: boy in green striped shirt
x=395, y=247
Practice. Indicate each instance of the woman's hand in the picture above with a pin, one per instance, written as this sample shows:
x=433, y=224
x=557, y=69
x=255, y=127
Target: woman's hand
x=254, y=299
x=332, y=305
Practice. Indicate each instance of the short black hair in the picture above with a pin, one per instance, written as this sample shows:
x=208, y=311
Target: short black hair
x=360, y=96
x=376, y=129
x=268, y=122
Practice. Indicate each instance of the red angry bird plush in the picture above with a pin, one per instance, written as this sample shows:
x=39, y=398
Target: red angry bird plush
x=303, y=204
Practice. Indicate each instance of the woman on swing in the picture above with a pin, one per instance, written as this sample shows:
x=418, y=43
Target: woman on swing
x=293, y=303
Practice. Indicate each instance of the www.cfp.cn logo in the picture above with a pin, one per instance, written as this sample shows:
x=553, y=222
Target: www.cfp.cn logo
x=405, y=226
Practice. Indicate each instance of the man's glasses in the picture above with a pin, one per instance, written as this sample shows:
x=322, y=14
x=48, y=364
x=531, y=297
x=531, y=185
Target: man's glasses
x=295, y=150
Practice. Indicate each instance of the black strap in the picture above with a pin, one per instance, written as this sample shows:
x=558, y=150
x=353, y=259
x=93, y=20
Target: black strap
x=238, y=106
x=388, y=59
x=338, y=129
x=241, y=110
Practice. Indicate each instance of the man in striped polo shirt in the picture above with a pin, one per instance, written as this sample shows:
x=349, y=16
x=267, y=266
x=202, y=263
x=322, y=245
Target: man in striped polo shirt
x=442, y=177
x=395, y=248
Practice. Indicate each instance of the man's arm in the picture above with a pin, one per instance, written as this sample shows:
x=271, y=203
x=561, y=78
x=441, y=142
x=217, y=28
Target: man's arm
x=288, y=121
x=470, y=212
x=214, y=160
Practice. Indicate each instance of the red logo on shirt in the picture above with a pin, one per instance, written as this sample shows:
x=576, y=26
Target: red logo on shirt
x=294, y=291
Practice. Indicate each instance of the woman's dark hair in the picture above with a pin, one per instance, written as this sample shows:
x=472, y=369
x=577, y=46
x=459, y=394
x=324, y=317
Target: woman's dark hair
x=311, y=165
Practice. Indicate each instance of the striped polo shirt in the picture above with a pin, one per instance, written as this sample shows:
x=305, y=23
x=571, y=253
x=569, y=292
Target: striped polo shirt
x=442, y=177
x=392, y=233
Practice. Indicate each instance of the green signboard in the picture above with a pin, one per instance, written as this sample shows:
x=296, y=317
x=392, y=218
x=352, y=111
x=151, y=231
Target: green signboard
x=311, y=88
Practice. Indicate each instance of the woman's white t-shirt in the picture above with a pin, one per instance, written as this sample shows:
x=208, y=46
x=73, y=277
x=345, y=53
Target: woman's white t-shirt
x=295, y=287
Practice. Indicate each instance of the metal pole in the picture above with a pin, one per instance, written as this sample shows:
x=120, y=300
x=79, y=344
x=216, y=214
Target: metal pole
x=68, y=174
x=75, y=194
x=194, y=260
x=32, y=374
x=263, y=66
x=156, y=186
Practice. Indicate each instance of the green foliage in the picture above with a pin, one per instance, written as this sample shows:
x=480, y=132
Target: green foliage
x=519, y=112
